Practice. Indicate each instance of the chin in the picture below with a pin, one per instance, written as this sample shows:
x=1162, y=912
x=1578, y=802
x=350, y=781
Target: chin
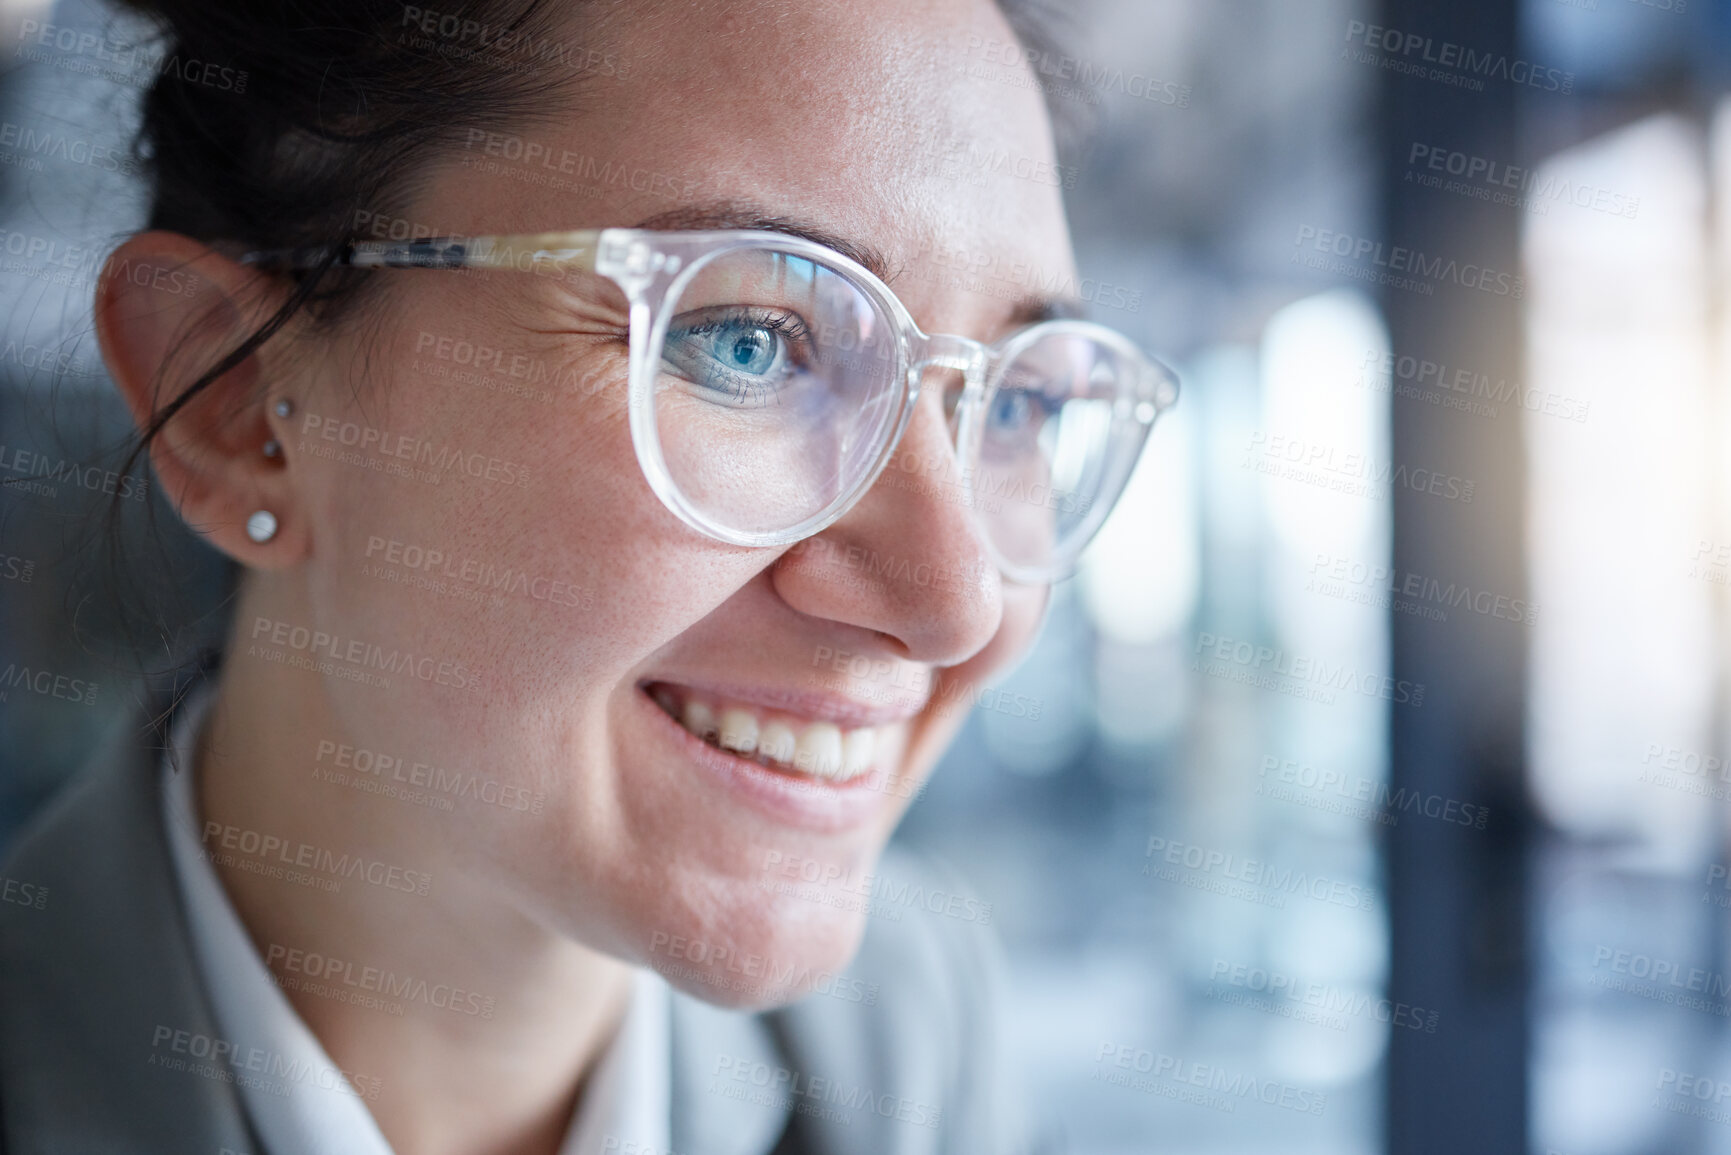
x=775, y=953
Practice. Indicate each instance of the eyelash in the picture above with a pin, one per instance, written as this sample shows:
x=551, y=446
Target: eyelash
x=790, y=326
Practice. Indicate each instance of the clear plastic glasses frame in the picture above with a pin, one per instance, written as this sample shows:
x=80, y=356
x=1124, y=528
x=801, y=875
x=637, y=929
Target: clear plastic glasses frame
x=654, y=268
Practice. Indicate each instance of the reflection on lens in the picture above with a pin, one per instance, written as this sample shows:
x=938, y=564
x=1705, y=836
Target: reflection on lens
x=1047, y=446
x=775, y=391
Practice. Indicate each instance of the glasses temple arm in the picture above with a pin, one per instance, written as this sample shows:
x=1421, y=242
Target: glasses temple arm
x=537, y=252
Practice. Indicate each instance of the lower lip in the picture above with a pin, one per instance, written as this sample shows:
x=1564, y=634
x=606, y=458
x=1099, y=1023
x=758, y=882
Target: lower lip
x=810, y=803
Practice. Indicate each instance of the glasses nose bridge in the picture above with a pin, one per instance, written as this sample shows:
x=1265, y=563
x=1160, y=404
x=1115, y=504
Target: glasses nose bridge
x=950, y=351
x=958, y=354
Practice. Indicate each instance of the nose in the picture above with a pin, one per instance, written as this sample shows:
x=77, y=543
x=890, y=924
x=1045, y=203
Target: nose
x=907, y=561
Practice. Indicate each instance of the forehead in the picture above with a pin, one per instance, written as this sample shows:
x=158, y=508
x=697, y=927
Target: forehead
x=862, y=118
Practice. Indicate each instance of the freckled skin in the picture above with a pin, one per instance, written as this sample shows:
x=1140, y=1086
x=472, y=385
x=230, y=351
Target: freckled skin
x=831, y=111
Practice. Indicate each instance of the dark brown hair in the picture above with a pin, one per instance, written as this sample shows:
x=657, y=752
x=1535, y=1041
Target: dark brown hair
x=344, y=101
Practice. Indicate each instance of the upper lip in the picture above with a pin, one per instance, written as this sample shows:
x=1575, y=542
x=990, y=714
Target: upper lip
x=814, y=705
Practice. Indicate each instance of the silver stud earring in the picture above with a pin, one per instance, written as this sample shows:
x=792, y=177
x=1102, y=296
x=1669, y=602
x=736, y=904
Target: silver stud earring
x=261, y=526
x=284, y=407
x=272, y=448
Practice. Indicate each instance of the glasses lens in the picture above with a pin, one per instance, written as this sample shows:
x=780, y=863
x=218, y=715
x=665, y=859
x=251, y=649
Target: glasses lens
x=776, y=389
x=1053, y=445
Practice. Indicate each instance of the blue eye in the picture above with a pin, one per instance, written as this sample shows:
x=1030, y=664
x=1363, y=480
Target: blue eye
x=742, y=354
x=1013, y=409
x=745, y=350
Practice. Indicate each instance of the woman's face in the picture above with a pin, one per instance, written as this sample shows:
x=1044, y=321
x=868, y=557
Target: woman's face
x=569, y=615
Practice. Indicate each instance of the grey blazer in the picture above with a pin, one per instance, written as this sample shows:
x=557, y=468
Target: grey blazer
x=95, y=956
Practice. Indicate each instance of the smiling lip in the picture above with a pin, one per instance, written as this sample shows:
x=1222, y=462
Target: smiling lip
x=809, y=706
x=832, y=786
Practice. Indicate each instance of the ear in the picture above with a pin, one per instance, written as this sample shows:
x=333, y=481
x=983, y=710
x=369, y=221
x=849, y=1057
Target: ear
x=168, y=310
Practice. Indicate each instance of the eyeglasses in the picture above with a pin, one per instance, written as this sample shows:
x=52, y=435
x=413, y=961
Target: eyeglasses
x=771, y=379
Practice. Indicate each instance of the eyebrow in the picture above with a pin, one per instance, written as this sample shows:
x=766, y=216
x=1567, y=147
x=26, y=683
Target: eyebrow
x=1033, y=310
x=744, y=215
x=735, y=214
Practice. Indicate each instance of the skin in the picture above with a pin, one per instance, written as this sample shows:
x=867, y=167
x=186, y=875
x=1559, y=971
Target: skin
x=547, y=912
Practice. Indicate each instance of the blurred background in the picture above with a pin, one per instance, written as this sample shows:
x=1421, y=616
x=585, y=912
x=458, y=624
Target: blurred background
x=1367, y=790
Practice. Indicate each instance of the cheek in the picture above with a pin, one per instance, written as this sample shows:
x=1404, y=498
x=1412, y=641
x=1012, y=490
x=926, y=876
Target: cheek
x=516, y=530
x=512, y=548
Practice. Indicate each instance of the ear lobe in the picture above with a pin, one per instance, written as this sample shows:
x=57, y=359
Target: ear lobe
x=168, y=311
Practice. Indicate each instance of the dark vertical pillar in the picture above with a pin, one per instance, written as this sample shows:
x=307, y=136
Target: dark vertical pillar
x=1457, y=895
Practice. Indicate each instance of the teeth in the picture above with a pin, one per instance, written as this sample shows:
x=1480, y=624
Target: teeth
x=856, y=752
x=777, y=742
x=700, y=720
x=820, y=749
x=738, y=731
